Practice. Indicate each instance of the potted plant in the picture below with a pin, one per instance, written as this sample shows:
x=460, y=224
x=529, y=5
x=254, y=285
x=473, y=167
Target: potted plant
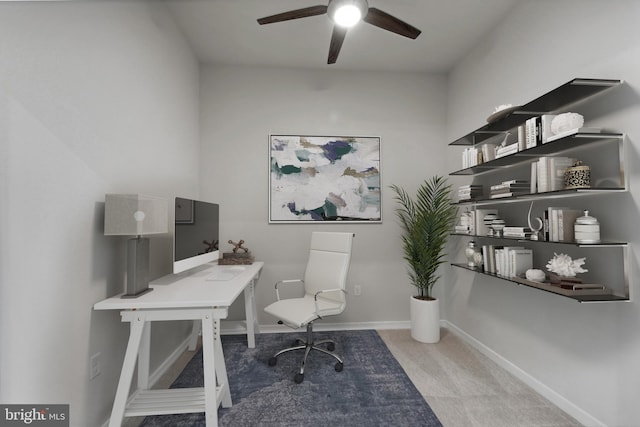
x=426, y=221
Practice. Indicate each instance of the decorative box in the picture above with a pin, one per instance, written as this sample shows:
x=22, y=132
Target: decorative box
x=577, y=176
x=230, y=258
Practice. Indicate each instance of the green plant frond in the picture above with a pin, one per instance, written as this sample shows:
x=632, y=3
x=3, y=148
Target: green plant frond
x=426, y=223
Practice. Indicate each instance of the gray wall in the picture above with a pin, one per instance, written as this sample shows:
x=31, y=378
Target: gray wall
x=95, y=97
x=584, y=355
x=242, y=106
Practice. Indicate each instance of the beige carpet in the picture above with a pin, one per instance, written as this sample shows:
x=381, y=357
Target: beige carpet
x=465, y=388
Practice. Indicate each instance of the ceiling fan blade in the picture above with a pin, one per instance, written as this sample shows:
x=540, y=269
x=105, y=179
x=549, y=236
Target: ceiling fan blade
x=390, y=23
x=294, y=14
x=337, y=37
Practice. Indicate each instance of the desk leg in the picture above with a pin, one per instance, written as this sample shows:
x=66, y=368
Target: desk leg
x=209, y=362
x=250, y=313
x=221, y=368
x=144, y=356
x=126, y=375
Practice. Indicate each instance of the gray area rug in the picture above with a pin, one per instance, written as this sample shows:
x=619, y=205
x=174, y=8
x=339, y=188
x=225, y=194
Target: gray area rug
x=372, y=390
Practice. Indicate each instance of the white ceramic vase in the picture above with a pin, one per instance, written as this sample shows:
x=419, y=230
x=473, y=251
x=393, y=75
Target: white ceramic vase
x=425, y=320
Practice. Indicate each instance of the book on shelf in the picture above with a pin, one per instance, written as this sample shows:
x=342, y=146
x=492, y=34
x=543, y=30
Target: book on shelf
x=485, y=257
x=544, y=127
x=509, y=188
x=506, y=261
x=488, y=152
x=509, y=194
x=513, y=231
x=550, y=172
x=506, y=150
x=470, y=193
x=489, y=258
x=558, y=290
x=520, y=260
x=513, y=260
x=579, y=286
x=478, y=227
x=522, y=138
x=538, y=130
x=559, y=223
x=530, y=132
x=471, y=156
x=533, y=182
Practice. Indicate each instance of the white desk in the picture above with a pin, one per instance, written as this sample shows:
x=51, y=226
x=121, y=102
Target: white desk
x=184, y=296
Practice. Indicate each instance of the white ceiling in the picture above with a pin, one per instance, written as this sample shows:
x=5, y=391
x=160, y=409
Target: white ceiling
x=226, y=32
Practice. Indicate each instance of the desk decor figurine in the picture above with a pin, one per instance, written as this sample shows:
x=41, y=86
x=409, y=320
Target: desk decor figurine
x=535, y=231
x=236, y=257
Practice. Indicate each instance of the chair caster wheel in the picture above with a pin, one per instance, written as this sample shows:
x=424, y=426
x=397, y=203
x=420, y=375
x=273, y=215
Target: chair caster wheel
x=339, y=367
x=273, y=361
x=331, y=346
x=298, y=378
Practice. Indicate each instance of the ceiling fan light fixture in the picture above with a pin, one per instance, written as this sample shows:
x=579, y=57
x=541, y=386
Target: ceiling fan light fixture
x=347, y=13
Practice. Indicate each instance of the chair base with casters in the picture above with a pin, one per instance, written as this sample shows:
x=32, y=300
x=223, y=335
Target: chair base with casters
x=308, y=346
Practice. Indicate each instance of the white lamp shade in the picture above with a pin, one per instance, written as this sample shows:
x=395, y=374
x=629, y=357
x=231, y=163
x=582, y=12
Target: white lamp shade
x=135, y=215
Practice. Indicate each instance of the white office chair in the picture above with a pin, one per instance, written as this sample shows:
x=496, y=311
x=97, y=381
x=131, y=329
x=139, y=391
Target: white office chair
x=324, y=284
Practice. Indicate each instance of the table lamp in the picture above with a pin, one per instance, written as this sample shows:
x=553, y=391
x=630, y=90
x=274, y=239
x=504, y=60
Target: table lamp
x=136, y=215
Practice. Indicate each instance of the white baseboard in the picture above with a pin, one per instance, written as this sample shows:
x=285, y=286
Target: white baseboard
x=560, y=401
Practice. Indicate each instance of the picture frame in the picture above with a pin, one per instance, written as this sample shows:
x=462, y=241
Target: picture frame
x=324, y=179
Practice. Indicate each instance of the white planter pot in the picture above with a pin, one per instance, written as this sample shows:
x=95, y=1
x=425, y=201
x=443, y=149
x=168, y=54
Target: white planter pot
x=425, y=320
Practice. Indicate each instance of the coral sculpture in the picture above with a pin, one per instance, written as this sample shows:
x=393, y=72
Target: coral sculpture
x=564, y=266
x=565, y=122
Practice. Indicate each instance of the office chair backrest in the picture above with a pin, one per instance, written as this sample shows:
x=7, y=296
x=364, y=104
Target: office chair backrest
x=328, y=265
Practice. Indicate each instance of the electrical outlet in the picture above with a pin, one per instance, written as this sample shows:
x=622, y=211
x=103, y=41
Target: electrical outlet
x=357, y=290
x=94, y=366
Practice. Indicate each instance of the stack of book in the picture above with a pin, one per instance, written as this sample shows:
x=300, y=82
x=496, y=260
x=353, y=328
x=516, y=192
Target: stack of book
x=510, y=188
x=469, y=192
x=506, y=150
x=516, y=232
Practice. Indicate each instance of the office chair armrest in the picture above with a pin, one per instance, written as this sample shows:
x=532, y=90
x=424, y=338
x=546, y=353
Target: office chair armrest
x=299, y=281
x=315, y=297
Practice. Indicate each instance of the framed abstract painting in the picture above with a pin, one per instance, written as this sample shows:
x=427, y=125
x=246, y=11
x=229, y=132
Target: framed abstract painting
x=324, y=179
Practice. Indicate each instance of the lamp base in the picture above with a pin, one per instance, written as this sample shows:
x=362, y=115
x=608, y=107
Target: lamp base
x=146, y=291
x=137, y=268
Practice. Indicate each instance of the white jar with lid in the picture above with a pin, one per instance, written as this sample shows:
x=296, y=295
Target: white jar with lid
x=586, y=229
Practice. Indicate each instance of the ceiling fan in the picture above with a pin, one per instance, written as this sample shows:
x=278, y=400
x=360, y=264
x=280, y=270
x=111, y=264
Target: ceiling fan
x=345, y=14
